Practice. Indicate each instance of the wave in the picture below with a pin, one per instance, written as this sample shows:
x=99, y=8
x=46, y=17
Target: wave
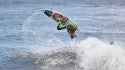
x=96, y=55
x=89, y=54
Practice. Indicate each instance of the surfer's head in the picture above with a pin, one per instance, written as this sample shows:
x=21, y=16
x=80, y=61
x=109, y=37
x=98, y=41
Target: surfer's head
x=48, y=12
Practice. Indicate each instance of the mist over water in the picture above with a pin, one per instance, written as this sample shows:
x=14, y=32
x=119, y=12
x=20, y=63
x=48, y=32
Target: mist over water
x=29, y=40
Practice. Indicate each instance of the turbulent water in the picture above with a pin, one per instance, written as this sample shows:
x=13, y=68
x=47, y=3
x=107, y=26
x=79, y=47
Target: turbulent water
x=29, y=39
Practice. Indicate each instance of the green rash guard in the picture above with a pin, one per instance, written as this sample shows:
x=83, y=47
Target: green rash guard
x=61, y=26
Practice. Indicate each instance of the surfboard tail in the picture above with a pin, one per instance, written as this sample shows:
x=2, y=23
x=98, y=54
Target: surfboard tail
x=48, y=12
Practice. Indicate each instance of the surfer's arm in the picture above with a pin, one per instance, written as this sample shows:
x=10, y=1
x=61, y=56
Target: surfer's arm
x=60, y=26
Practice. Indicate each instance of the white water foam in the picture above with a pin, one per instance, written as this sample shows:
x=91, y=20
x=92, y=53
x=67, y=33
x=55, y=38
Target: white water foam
x=89, y=54
x=96, y=55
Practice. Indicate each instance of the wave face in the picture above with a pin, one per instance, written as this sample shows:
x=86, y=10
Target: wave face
x=89, y=54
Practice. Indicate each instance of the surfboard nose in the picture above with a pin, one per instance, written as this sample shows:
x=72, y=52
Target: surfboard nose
x=48, y=12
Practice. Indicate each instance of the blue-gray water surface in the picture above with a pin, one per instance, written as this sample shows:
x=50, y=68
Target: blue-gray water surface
x=29, y=40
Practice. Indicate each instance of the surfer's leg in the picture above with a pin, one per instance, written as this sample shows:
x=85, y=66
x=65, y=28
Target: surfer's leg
x=71, y=37
x=71, y=32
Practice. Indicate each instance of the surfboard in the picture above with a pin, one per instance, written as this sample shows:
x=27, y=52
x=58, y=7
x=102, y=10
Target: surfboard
x=54, y=14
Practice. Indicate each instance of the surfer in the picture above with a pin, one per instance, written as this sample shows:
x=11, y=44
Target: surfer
x=63, y=23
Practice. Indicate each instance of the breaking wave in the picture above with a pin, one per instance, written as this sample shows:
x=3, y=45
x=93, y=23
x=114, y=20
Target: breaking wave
x=89, y=54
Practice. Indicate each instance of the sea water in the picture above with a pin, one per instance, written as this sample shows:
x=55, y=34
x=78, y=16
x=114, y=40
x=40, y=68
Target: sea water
x=29, y=40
